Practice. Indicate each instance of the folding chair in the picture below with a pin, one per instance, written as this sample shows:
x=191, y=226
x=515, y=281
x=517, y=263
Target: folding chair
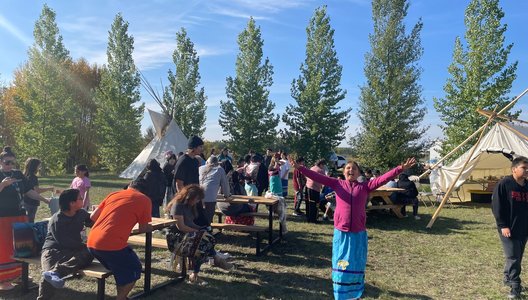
x=423, y=196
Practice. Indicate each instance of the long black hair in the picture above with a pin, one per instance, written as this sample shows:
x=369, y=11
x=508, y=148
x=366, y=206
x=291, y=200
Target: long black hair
x=31, y=166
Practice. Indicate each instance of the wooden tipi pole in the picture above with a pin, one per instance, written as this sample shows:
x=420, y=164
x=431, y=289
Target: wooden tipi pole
x=452, y=186
x=474, y=134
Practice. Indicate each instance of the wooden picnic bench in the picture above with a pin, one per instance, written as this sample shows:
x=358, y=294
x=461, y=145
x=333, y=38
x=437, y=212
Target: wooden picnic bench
x=384, y=193
x=95, y=270
x=245, y=228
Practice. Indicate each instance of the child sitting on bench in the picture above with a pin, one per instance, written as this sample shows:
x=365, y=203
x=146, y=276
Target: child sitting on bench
x=63, y=252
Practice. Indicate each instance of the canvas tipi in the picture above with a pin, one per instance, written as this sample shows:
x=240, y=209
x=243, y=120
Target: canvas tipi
x=169, y=137
x=491, y=158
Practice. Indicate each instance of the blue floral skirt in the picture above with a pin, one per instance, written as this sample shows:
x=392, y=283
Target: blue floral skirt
x=349, y=259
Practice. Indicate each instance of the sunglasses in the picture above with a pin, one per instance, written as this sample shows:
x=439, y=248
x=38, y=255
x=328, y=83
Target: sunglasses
x=8, y=162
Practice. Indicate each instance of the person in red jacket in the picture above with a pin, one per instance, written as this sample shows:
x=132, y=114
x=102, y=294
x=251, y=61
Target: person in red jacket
x=299, y=183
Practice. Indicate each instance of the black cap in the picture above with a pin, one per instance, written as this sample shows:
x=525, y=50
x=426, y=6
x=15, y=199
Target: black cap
x=194, y=141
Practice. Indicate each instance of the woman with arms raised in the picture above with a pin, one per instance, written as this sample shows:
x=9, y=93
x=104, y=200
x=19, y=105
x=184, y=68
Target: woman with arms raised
x=349, y=250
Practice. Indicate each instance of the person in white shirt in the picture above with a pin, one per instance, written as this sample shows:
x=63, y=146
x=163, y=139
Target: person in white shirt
x=284, y=173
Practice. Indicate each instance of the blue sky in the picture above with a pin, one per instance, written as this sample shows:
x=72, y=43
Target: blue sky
x=214, y=26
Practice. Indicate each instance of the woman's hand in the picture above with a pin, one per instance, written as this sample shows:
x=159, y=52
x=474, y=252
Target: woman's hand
x=409, y=163
x=8, y=181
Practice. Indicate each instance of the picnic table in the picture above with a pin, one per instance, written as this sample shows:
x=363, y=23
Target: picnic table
x=384, y=193
x=270, y=203
x=157, y=224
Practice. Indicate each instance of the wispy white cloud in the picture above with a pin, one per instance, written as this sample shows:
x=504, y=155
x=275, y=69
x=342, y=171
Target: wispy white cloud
x=268, y=6
x=14, y=31
x=235, y=13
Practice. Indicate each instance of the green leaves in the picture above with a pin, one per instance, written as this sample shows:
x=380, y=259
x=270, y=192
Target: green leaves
x=44, y=98
x=246, y=116
x=480, y=74
x=391, y=106
x=118, y=115
x=316, y=123
x=183, y=99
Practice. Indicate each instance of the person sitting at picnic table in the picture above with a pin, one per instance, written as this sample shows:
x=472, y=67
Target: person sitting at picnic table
x=182, y=208
x=409, y=196
x=63, y=252
x=349, y=250
x=114, y=219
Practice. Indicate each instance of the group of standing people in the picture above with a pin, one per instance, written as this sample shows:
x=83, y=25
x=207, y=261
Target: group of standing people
x=19, y=201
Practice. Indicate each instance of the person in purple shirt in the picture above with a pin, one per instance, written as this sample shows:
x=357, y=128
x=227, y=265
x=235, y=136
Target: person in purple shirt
x=349, y=250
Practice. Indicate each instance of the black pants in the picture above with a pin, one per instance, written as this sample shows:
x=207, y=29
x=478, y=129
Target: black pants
x=311, y=209
x=513, y=254
x=64, y=262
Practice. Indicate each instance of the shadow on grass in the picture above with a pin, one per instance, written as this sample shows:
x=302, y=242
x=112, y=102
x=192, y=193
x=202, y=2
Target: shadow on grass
x=375, y=292
x=68, y=292
x=443, y=225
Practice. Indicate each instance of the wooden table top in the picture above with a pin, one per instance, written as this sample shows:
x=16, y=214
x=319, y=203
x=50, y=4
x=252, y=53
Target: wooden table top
x=240, y=199
x=157, y=223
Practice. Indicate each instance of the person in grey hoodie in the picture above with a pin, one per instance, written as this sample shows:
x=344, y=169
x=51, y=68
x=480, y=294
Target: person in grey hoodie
x=212, y=177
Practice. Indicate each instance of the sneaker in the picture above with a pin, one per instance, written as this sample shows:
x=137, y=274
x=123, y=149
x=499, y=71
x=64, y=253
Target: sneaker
x=54, y=279
x=224, y=255
x=325, y=218
x=515, y=293
x=296, y=214
x=222, y=263
x=417, y=218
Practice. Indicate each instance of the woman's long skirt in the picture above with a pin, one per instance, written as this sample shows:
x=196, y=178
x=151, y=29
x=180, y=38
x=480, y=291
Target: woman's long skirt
x=349, y=258
x=9, y=269
x=275, y=185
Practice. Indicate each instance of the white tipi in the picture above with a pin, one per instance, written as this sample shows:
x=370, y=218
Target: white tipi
x=169, y=137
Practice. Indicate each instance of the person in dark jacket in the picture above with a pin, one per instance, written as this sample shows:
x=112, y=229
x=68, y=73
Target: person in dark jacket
x=168, y=171
x=156, y=186
x=509, y=204
x=409, y=196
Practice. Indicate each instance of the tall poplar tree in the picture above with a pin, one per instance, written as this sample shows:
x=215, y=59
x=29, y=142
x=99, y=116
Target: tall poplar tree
x=246, y=116
x=43, y=97
x=391, y=105
x=183, y=100
x=118, y=113
x=316, y=123
x=480, y=74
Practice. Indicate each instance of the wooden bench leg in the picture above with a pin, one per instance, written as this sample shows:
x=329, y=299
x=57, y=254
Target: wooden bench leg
x=100, y=288
x=258, y=244
x=25, y=276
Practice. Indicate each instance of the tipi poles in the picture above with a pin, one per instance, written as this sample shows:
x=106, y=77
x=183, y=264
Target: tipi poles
x=474, y=134
x=452, y=186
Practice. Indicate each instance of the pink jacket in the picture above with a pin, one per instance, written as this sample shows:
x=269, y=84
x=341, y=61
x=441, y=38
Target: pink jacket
x=351, y=197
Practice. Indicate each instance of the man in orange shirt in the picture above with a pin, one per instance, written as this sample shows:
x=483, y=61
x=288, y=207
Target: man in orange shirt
x=114, y=219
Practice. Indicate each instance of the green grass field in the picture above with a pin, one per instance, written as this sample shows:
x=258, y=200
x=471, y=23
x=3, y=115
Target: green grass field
x=459, y=258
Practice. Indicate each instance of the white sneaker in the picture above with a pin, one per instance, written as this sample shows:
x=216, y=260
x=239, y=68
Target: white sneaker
x=224, y=255
x=417, y=218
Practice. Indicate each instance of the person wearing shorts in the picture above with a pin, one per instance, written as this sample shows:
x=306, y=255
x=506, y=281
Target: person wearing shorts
x=114, y=219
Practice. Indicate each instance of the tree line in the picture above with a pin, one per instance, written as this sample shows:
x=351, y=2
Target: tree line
x=67, y=111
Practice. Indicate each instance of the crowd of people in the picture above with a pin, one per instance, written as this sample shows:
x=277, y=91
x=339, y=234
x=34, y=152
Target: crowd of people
x=186, y=189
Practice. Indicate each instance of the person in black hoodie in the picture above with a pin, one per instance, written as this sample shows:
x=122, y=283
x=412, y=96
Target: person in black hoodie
x=409, y=196
x=156, y=186
x=509, y=204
